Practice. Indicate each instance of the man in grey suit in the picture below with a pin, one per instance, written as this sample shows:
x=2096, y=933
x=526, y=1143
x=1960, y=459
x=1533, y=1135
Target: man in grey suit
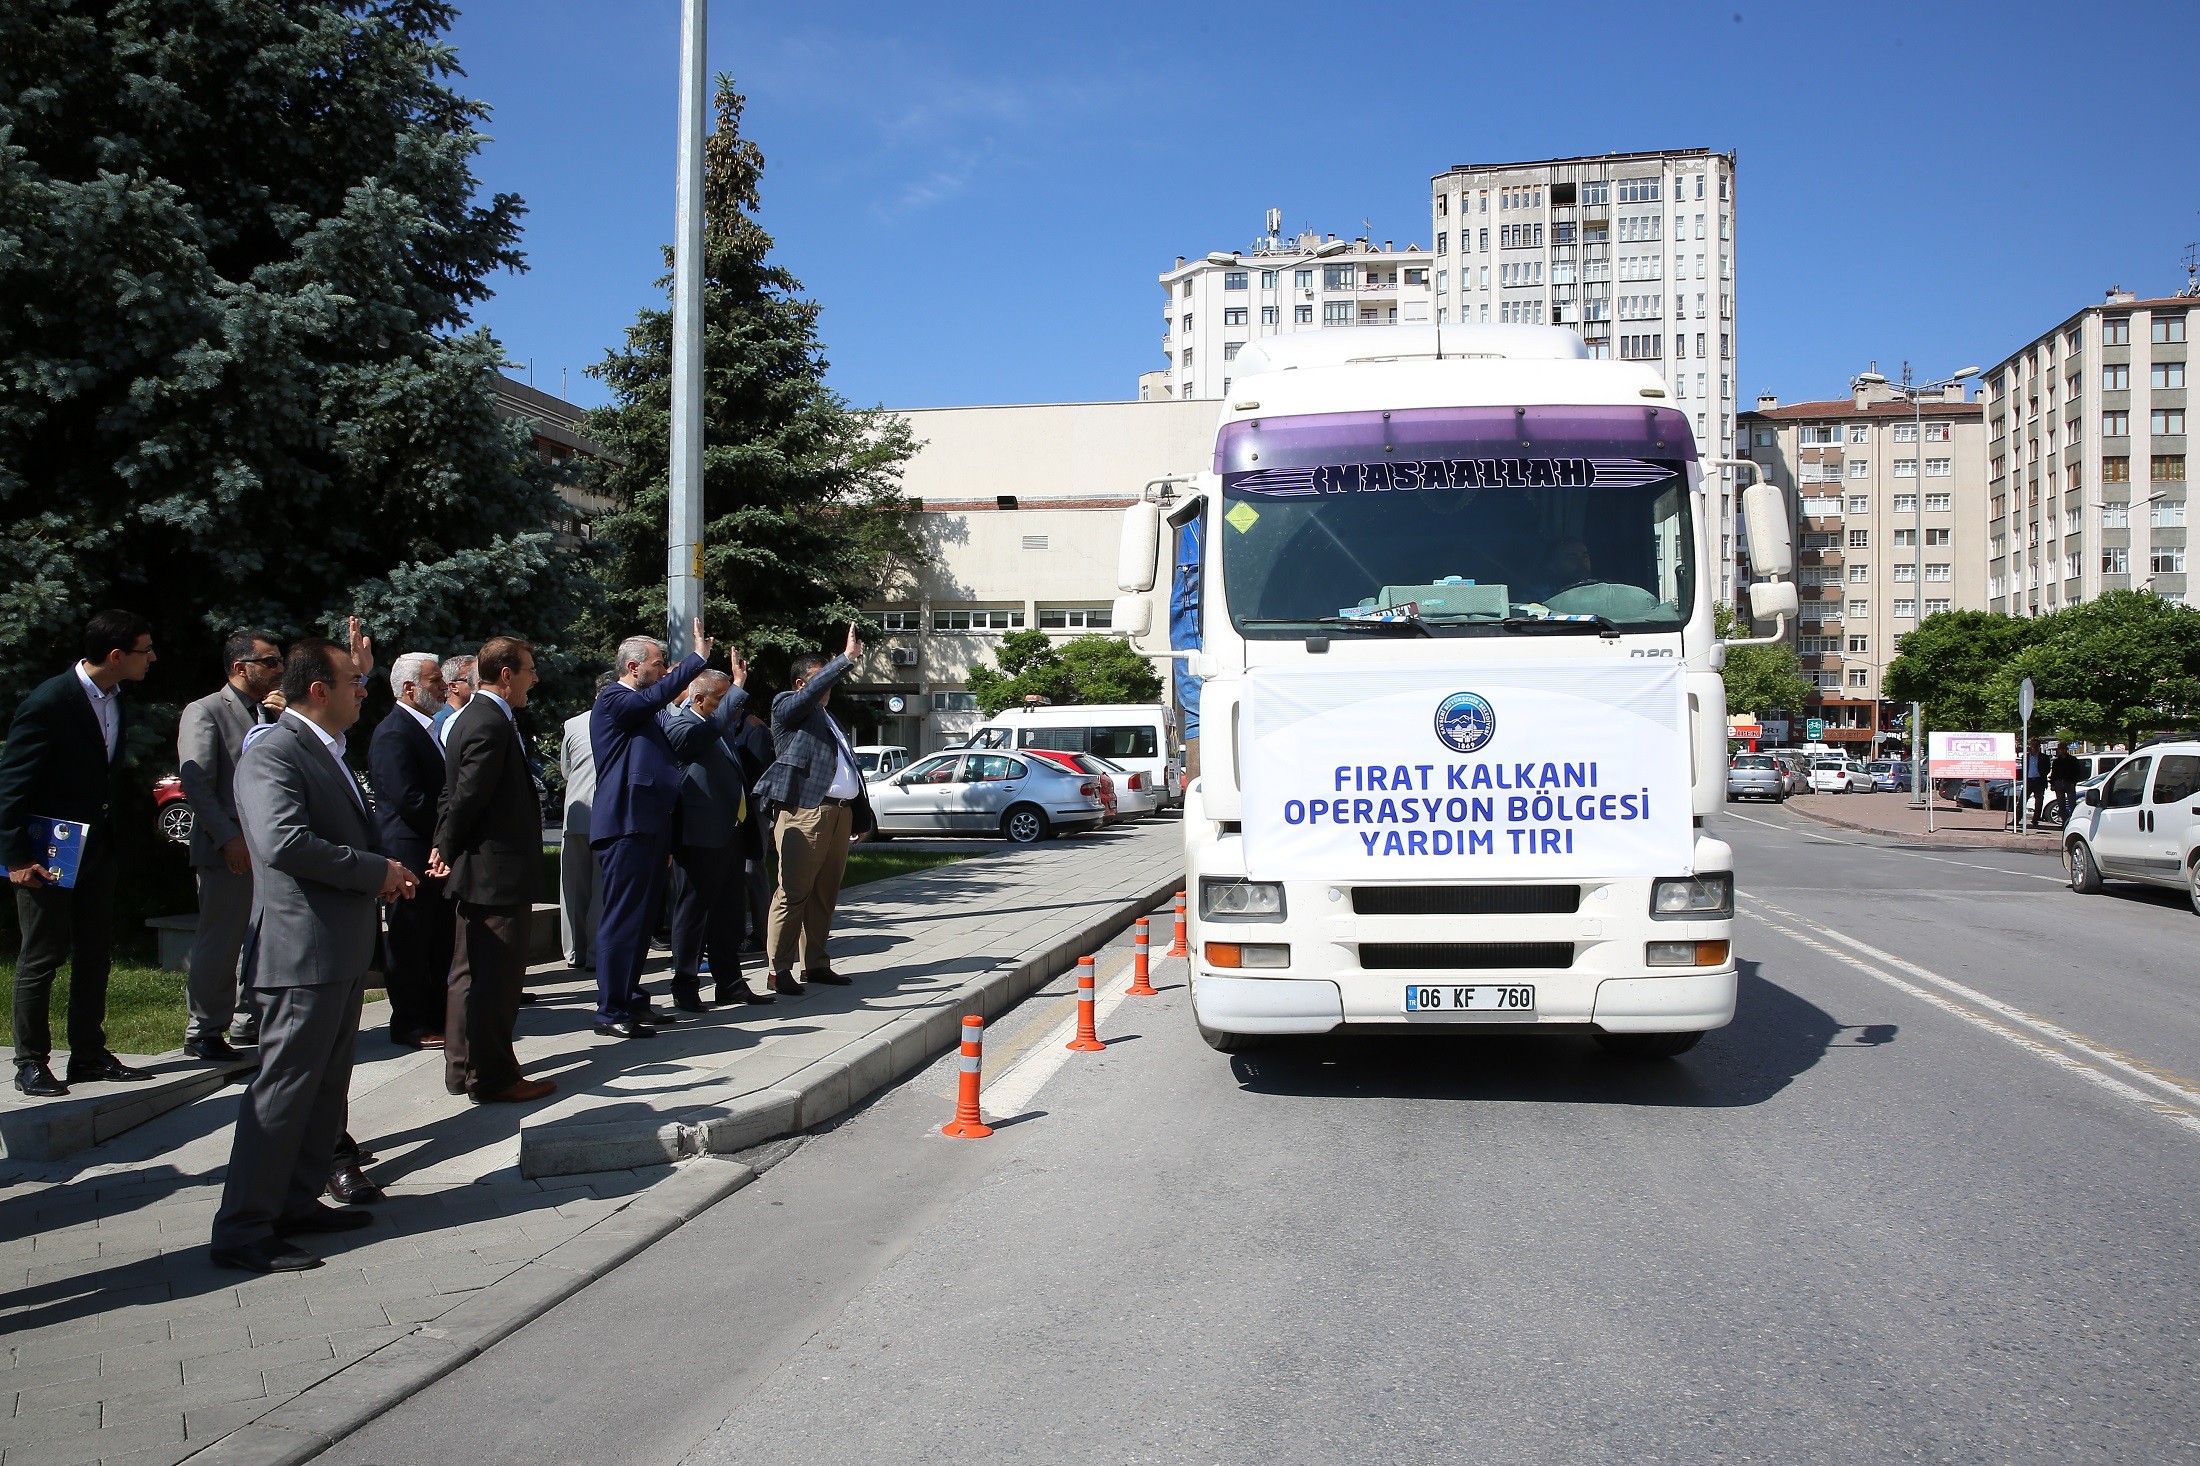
x=209, y=739
x=317, y=878
x=580, y=878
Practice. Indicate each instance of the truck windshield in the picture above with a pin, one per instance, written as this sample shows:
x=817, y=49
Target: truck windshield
x=1429, y=517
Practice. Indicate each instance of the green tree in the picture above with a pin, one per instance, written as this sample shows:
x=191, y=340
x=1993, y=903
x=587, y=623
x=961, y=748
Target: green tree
x=1760, y=679
x=1084, y=669
x=1950, y=662
x=239, y=243
x=802, y=506
x=2109, y=670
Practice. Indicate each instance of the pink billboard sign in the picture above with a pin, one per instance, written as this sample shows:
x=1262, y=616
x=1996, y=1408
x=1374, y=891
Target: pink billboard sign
x=1972, y=755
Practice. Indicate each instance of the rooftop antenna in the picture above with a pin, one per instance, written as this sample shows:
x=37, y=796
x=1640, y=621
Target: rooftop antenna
x=2192, y=273
x=1905, y=374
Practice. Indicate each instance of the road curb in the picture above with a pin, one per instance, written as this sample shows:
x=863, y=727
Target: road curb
x=829, y=1085
x=310, y=1422
x=1967, y=839
x=49, y=1130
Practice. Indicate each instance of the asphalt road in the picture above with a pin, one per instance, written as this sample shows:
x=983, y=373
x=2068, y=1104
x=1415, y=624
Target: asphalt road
x=1930, y=1197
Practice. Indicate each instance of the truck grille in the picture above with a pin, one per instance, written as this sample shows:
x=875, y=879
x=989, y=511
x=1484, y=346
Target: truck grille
x=1468, y=956
x=1466, y=900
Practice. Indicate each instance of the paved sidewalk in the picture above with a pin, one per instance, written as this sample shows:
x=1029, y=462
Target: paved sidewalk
x=1891, y=814
x=123, y=1344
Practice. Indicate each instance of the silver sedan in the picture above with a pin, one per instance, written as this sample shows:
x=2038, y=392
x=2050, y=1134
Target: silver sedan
x=1021, y=799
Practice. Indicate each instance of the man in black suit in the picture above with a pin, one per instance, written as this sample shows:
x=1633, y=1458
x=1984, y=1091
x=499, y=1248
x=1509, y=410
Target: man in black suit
x=754, y=744
x=63, y=761
x=707, y=848
x=488, y=846
x=407, y=764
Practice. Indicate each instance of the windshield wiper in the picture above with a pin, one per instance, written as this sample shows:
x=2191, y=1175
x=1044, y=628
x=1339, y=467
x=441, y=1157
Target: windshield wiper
x=1413, y=627
x=1567, y=627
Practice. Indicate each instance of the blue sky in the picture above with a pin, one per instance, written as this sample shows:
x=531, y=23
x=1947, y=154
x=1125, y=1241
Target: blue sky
x=981, y=195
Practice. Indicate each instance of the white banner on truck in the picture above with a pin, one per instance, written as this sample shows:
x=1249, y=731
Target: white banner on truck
x=1467, y=772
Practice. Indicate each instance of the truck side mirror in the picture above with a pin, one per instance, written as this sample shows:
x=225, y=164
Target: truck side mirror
x=1133, y=614
x=1771, y=543
x=1771, y=598
x=1138, y=564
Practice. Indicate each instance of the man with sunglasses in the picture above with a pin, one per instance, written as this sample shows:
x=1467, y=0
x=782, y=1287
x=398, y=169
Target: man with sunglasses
x=209, y=738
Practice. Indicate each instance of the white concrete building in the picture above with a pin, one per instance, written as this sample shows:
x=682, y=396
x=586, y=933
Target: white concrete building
x=1633, y=250
x=2086, y=458
x=1021, y=510
x=1213, y=306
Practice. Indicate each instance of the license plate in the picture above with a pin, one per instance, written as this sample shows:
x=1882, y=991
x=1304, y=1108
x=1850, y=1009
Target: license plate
x=1504, y=1000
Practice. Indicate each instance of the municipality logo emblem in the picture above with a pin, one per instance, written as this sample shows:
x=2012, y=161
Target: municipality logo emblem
x=1465, y=721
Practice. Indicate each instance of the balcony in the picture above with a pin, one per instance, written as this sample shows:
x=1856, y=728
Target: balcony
x=1828, y=556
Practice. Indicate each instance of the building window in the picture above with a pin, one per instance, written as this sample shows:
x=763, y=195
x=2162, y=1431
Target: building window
x=2166, y=559
x=2116, y=470
x=1860, y=468
x=1270, y=278
x=1640, y=190
x=1905, y=432
x=977, y=620
x=1860, y=643
x=2116, y=378
x=1939, y=606
x=1187, y=288
x=1268, y=315
x=2169, y=468
x=2115, y=560
x=1339, y=277
x=1936, y=503
x=1935, y=570
x=1815, y=435
x=1939, y=467
x=1443, y=241
x=1936, y=432
x=1337, y=313
x=1416, y=277
x=1596, y=193
x=1859, y=574
x=1905, y=608
x=1302, y=315
x=2115, y=330
x=1230, y=350
x=1187, y=323
x=1859, y=503
x=1905, y=503
x=2166, y=511
x=2115, y=424
x=2115, y=516
x=2166, y=375
x=1641, y=348
x=1860, y=539
x=1906, y=573
x=954, y=702
x=1860, y=608
x=1303, y=279
x=2167, y=422
x=1905, y=468
x=2167, y=329
x=897, y=620
x=1905, y=537
x=1234, y=280
x=1075, y=618
x=1233, y=315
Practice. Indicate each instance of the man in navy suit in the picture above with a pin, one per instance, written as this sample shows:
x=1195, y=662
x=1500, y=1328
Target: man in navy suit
x=407, y=764
x=708, y=855
x=630, y=828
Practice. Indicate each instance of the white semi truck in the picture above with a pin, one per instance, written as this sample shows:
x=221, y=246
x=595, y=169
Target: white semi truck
x=1447, y=595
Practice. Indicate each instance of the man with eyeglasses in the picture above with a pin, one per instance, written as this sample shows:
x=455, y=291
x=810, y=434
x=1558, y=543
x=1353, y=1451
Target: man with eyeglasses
x=209, y=739
x=63, y=763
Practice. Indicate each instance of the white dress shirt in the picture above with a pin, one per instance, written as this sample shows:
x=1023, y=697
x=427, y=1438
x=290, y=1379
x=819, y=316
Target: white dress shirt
x=334, y=743
x=847, y=779
x=104, y=707
x=427, y=724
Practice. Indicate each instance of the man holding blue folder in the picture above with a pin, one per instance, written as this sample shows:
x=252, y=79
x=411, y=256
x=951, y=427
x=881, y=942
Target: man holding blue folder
x=62, y=768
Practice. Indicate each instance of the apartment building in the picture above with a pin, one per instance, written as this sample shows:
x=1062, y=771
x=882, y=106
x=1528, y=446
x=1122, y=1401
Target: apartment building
x=1309, y=282
x=1020, y=510
x=1633, y=250
x=1889, y=504
x=2086, y=457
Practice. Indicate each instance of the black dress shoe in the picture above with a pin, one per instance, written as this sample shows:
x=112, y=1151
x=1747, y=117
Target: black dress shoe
x=323, y=1219
x=104, y=1066
x=211, y=1047
x=625, y=1028
x=688, y=997
x=654, y=1017
x=783, y=983
x=827, y=976
x=530, y=997
x=268, y=1255
x=349, y=1185
x=37, y=1081
x=741, y=992
x=244, y=1031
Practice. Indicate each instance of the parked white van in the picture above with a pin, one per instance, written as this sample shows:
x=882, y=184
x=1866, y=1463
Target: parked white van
x=1139, y=736
x=2143, y=824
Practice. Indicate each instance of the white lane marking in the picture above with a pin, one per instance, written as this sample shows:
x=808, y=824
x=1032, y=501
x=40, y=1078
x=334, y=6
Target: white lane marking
x=2182, y=1088
x=2184, y=1119
x=1013, y=1091
x=1999, y=870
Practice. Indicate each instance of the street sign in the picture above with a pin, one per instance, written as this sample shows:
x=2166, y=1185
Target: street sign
x=2024, y=700
x=1814, y=729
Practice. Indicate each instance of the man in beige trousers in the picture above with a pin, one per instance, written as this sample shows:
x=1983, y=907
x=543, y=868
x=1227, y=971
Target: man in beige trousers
x=816, y=789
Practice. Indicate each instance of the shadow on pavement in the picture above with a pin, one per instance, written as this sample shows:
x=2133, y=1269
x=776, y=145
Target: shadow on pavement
x=1776, y=1035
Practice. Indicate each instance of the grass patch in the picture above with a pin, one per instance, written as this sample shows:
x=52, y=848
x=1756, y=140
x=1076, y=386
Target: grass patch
x=146, y=1009
x=866, y=863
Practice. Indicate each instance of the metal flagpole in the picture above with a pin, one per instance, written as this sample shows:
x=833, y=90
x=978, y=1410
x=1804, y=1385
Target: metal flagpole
x=684, y=529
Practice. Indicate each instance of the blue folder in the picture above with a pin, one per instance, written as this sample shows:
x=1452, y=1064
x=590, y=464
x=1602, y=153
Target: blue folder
x=61, y=847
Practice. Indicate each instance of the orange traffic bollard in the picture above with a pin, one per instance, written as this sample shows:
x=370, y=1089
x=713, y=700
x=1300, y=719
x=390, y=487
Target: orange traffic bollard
x=1178, y=948
x=1088, y=1038
x=1141, y=984
x=968, y=1123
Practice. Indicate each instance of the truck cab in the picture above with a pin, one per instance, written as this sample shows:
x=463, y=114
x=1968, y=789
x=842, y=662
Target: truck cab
x=1447, y=596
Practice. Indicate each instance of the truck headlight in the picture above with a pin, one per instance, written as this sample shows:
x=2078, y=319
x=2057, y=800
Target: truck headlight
x=1685, y=954
x=1692, y=898
x=1248, y=954
x=1229, y=899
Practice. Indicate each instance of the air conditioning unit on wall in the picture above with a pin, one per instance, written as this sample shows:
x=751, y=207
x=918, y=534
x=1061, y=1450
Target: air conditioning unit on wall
x=901, y=656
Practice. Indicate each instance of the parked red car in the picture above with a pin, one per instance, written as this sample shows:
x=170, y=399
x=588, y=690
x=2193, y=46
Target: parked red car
x=172, y=810
x=1078, y=763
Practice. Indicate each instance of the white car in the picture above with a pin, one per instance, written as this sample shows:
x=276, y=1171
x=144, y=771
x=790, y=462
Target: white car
x=880, y=760
x=2142, y=825
x=1136, y=793
x=1839, y=776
